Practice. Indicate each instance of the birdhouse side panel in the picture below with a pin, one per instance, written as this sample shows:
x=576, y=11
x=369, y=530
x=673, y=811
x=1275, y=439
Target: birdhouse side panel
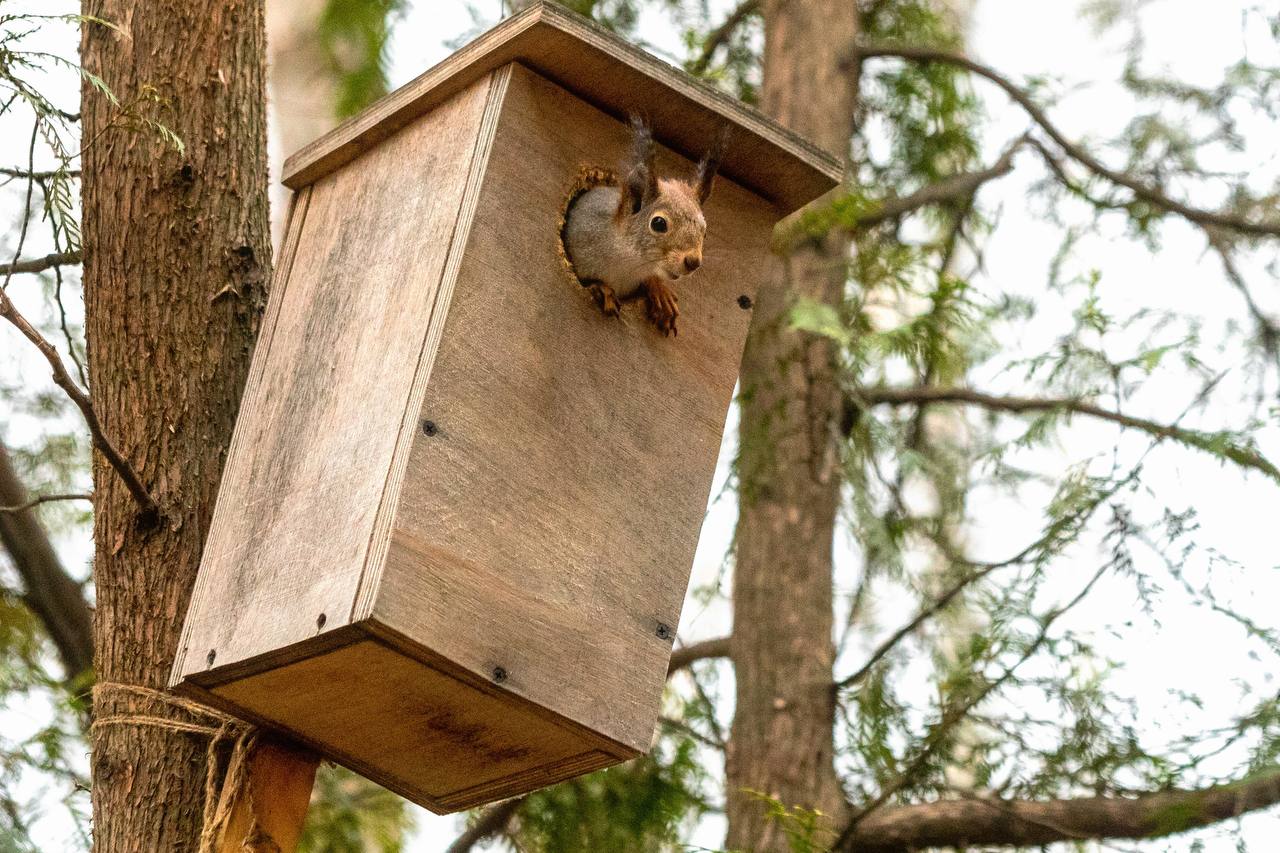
x=325, y=408
x=546, y=528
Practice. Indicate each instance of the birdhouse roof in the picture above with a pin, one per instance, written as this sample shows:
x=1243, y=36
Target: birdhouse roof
x=610, y=74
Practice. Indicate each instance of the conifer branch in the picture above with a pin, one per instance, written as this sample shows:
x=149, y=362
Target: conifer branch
x=1023, y=98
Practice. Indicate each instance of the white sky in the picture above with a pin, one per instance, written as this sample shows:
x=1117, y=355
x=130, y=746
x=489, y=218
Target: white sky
x=1195, y=41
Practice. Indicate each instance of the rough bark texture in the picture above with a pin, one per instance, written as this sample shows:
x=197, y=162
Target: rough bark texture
x=52, y=594
x=177, y=254
x=781, y=742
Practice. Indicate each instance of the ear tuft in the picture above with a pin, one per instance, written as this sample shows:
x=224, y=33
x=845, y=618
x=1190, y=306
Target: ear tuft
x=640, y=185
x=710, y=165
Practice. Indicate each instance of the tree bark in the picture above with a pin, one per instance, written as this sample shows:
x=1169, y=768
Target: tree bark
x=991, y=821
x=781, y=742
x=52, y=594
x=177, y=257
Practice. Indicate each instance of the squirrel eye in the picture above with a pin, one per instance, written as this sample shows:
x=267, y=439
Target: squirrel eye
x=658, y=224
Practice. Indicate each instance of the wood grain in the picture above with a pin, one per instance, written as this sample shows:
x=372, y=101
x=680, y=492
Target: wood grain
x=548, y=527
x=315, y=438
x=444, y=742
x=269, y=813
x=609, y=73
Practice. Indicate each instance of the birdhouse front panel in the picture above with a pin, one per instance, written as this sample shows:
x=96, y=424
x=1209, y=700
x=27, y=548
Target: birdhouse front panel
x=459, y=513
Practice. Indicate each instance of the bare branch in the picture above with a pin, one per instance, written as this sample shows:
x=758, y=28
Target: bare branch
x=1268, y=329
x=52, y=595
x=925, y=614
x=26, y=205
x=1023, y=99
x=44, y=499
x=492, y=821
x=1012, y=823
x=150, y=511
x=923, y=394
x=722, y=34
x=38, y=176
x=57, y=259
x=811, y=219
x=686, y=656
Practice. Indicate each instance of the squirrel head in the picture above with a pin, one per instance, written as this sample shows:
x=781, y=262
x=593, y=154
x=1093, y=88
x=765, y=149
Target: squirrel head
x=663, y=216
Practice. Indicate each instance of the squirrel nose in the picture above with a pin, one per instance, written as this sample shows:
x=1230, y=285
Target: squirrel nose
x=692, y=262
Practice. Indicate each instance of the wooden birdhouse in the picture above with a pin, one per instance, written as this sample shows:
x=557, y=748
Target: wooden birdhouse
x=458, y=515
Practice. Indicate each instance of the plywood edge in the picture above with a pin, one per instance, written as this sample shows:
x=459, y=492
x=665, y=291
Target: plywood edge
x=552, y=41
x=210, y=678
x=380, y=537
x=298, y=206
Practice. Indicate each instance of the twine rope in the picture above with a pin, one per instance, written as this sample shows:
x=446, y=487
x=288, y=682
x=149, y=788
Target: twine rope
x=221, y=729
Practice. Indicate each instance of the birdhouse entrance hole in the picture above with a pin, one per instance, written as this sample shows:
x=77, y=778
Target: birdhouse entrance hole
x=588, y=178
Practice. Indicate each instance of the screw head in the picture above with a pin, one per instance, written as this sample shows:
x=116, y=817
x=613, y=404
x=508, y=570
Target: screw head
x=664, y=631
x=429, y=427
x=209, y=658
x=499, y=674
x=744, y=302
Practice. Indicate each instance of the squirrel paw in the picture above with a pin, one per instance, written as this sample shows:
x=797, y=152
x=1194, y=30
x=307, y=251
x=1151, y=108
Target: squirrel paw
x=605, y=297
x=664, y=308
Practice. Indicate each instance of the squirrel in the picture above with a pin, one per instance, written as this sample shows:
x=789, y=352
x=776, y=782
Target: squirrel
x=629, y=241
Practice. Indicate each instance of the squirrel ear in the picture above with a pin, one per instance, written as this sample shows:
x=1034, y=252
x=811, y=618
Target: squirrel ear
x=710, y=164
x=641, y=183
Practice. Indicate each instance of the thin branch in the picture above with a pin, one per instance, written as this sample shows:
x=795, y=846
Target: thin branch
x=45, y=499
x=686, y=656
x=800, y=224
x=57, y=259
x=26, y=205
x=150, y=510
x=721, y=34
x=684, y=728
x=989, y=821
x=1023, y=99
x=38, y=176
x=492, y=821
x=927, y=613
x=1268, y=329
x=935, y=394
x=62, y=316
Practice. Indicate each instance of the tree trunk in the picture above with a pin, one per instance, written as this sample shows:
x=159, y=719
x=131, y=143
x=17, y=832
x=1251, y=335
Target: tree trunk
x=177, y=255
x=781, y=743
